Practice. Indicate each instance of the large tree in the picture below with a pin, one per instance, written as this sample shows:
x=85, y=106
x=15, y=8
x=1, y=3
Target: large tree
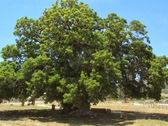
x=81, y=70
x=73, y=56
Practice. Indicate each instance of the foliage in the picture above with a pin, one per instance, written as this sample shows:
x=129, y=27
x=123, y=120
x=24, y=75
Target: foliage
x=158, y=76
x=73, y=56
x=7, y=80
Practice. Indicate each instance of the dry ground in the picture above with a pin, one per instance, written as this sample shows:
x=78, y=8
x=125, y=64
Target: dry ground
x=12, y=114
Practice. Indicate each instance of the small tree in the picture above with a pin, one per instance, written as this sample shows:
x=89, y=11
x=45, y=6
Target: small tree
x=7, y=80
x=158, y=76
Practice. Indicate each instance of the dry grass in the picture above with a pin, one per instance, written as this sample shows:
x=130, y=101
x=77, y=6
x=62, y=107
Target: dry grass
x=131, y=106
x=144, y=122
x=165, y=96
x=122, y=114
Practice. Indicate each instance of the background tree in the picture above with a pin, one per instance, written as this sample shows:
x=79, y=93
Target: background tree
x=158, y=76
x=136, y=61
x=7, y=80
x=129, y=44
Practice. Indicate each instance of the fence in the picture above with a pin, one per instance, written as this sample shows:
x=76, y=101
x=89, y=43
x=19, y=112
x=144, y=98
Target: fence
x=157, y=105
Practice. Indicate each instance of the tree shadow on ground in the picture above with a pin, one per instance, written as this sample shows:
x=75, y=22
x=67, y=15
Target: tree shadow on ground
x=99, y=119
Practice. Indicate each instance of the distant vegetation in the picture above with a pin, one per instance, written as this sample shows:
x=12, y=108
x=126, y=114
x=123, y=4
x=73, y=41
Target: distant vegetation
x=165, y=90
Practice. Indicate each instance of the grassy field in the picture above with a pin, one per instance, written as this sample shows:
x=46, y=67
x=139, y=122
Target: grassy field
x=121, y=114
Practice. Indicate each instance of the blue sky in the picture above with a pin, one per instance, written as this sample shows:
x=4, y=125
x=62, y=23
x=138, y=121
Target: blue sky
x=152, y=13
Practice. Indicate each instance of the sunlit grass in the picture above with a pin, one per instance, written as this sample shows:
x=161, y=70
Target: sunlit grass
x=119, y=105
x=133, y=115
x=144, y=122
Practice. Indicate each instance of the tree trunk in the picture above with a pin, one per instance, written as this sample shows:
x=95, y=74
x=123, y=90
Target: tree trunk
x=22, y=103
x=85, y=106
x=67, y=107
x=83, y=109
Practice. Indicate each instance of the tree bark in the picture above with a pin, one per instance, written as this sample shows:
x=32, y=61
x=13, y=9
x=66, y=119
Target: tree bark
x=83, y=109
x=67, y=108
